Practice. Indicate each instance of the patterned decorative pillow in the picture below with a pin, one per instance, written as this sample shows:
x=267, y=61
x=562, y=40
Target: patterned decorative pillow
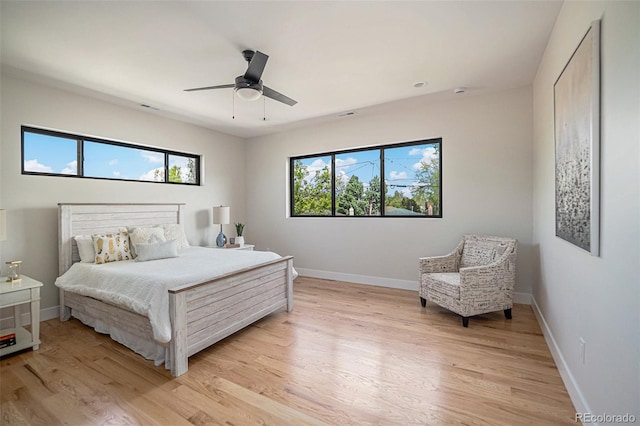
x=175, y=231
x=145, y=236
x=111, y=247
x=85, y=248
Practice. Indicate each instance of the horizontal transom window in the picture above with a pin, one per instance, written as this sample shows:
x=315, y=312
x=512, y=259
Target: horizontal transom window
x=399, y=180
x=50, y=153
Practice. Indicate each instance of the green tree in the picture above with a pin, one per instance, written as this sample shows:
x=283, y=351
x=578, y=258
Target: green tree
x=352, y=197
x=311, y=194
x=175, y=174
x=158, y=175
x=395, y=200
x=372, y=197
x=427, y=192
x=191, y=171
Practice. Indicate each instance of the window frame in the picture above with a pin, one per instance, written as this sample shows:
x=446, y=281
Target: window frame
x=80, y=139
x=383, y=195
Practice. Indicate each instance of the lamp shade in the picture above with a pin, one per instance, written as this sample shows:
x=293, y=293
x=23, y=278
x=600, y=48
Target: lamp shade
x=3, y=225
x=221, y=215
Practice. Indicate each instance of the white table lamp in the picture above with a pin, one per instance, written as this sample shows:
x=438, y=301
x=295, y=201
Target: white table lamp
x=221, y=217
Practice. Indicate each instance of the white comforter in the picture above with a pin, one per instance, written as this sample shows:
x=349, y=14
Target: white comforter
x=142, y=287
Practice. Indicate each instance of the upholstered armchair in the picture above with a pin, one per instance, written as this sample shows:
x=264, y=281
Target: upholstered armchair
x=477, y=277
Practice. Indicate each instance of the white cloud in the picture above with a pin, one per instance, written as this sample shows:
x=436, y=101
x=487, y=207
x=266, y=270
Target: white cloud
x=393, y=175
x=151, y=175
x=113, y=162
x=153, y=158
x=345, y=163
x=427, y=155
x=318, y=164
x=342, y=176
x=71, y=169
x=116, y=173
x=35, y=166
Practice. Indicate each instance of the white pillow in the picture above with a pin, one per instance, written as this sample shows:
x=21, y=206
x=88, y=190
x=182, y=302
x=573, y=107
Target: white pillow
x=145, y=236
x=85, y=248
x=174, y=231
x=155, y=251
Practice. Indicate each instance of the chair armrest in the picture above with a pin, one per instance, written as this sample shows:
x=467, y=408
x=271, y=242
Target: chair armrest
x=447, y=263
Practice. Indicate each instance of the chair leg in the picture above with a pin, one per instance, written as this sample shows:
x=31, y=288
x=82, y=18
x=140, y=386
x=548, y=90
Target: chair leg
x=507, y=313
x=465, y=321
x=423, y=302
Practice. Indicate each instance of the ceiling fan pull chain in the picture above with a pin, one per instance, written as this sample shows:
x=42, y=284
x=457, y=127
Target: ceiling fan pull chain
x=264, y=108
x=233, y=108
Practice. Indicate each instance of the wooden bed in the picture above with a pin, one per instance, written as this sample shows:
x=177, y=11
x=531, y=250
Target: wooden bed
x=201, y=314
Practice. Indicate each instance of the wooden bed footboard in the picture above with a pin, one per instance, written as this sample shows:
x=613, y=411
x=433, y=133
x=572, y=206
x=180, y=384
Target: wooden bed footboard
x=203, y=314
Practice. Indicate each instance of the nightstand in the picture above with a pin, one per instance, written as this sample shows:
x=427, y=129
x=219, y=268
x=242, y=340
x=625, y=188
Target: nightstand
x=248, y=247
x=27, y=290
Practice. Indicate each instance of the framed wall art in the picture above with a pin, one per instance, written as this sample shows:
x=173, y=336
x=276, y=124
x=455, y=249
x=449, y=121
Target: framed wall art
x=576, y=95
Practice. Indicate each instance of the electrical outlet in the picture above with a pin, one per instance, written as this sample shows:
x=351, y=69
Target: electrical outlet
x=583, y=351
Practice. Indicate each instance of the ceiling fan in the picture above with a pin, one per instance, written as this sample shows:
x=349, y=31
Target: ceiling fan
x=249, y=87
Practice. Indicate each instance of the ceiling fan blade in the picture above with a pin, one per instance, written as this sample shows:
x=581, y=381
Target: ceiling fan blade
x=256, y=66
x=223, y=86
x=276, y=96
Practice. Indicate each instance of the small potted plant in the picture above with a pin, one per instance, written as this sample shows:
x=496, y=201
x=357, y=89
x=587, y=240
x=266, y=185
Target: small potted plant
x=239, y=231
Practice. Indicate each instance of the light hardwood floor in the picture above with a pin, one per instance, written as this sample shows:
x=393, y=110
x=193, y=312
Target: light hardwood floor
x=347, y=354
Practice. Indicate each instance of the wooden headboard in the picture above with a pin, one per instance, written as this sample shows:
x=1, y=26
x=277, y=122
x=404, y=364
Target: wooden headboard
x=88, y=219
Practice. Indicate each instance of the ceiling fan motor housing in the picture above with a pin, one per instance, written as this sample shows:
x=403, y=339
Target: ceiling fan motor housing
x=243, y=83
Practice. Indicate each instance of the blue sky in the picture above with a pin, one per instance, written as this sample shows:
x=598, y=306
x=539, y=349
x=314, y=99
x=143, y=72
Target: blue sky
x=52, y=154
x=401, y=164
x=49, y=154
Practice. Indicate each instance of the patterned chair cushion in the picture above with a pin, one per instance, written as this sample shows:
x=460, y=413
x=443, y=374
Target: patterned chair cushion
x=481, y=251
x=444, y=282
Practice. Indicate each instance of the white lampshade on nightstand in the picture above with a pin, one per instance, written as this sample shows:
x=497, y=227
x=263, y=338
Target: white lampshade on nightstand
x=221, y=217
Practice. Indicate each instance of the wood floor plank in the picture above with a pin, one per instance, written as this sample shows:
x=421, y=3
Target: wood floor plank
x=347, y=354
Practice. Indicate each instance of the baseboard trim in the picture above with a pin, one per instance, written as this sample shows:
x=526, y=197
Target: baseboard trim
x=523, y=298
x=359, y=279
x=576, y=395
x=45, y=314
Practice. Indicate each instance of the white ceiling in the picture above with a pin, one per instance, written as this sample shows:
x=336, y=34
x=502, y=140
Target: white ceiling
x=331, y=57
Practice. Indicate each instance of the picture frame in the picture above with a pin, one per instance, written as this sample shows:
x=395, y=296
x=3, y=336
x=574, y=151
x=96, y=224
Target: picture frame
x=576, y=95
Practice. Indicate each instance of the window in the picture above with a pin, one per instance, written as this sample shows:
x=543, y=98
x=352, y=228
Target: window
x=312, y=186
x=348, y=183
x=59, y=154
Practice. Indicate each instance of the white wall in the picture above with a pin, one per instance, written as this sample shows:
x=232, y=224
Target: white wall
x=487, y=172
x=31, y=201
x=579, y=296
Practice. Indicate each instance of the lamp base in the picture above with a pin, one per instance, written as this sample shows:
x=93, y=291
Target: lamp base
x=221, y=240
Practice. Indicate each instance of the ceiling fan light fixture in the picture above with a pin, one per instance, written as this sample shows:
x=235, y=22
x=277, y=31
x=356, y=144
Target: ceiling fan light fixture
x=248, y=93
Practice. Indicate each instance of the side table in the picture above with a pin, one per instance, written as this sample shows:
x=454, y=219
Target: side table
x=27, y=290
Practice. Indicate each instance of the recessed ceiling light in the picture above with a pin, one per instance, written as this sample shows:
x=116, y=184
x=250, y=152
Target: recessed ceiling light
x=419, y=84
x=459, y=90
x=346, y=114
